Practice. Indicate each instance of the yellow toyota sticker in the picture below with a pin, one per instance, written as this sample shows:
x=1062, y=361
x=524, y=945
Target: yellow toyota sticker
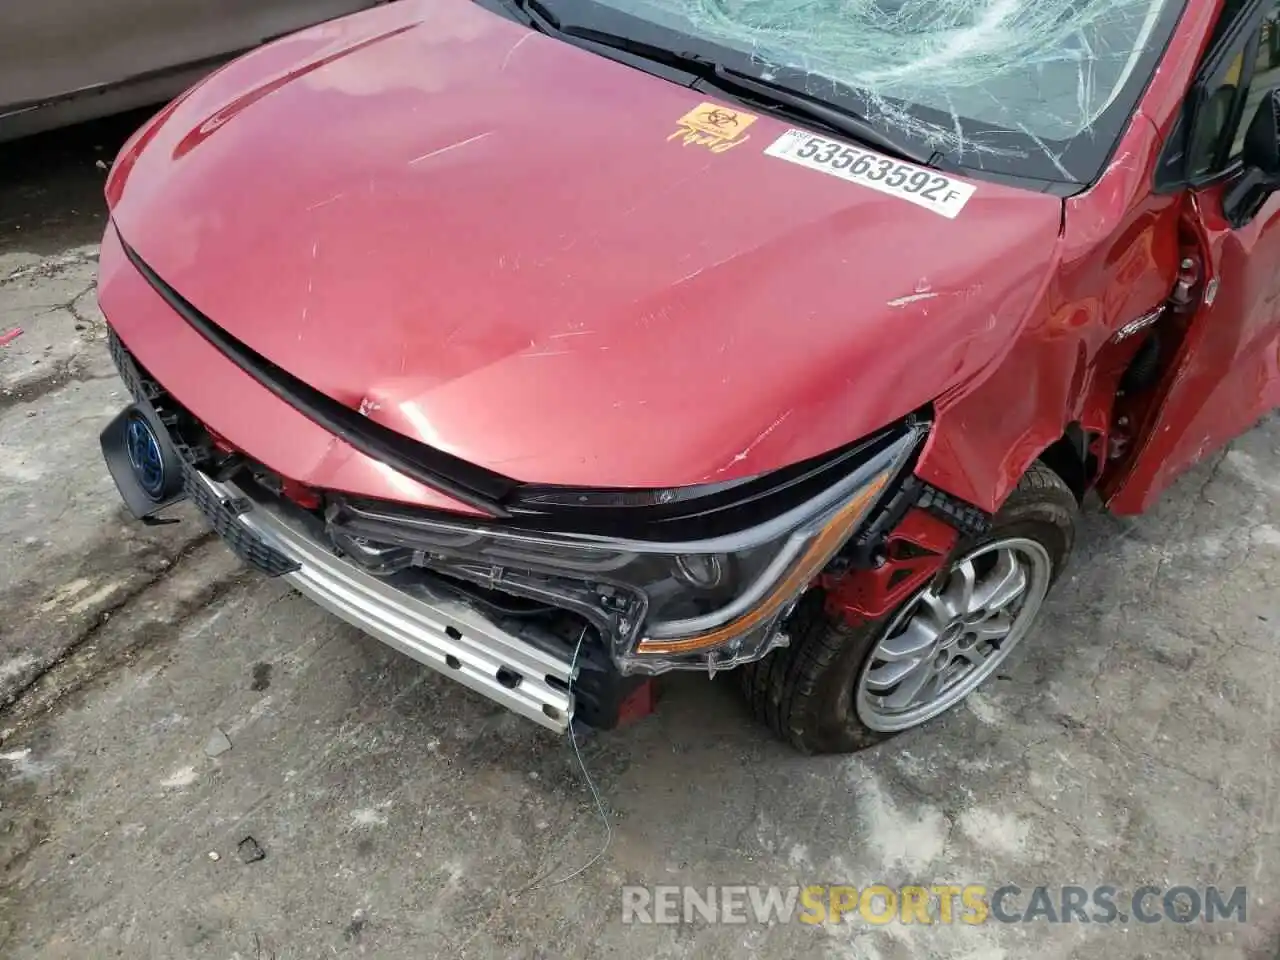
x=715, y=127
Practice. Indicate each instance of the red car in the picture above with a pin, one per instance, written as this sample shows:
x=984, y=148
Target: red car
x=562, y=344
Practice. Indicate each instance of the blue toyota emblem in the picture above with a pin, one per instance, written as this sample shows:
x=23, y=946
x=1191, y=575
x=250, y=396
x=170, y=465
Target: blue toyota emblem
x=145, y=456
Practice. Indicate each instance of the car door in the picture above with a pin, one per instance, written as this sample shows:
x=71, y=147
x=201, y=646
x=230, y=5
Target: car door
x=52, y=48
x=1225, y=370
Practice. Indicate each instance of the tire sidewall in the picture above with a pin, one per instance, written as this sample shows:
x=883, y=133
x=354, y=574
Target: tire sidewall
x=836, y=726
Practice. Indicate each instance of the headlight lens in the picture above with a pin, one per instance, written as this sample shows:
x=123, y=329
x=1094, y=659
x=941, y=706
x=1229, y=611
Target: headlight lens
x=716, y=602
x=774, y=575
x=740, y=618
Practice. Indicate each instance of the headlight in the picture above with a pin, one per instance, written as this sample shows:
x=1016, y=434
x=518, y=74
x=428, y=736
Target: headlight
x=729, y=595
x=713, y=601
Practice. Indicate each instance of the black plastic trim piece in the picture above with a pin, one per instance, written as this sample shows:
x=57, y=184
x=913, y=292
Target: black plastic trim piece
x=971, y=521
x=223, y=517
x=599, y=690
x=716, y=510
x=113, y=441
x=866, y=549
x=722, y=513
x=182, y=431
x=674, y=514
x=464, y=481
x=1171, y=174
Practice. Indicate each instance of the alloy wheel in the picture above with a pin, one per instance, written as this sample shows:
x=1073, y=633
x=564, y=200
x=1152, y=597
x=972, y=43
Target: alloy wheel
x=953, y=634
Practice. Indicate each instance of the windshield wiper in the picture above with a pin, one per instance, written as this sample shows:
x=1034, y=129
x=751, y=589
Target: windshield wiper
x=837, y=119
x=734, y=83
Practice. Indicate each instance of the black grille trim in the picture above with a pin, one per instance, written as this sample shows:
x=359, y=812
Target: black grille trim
x=665, y=514
x=971, y=521
x=465, y=482
x=141, y=390
x=221, y=516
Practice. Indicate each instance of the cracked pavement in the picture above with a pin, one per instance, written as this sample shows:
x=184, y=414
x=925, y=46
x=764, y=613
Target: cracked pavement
x=1132, y=740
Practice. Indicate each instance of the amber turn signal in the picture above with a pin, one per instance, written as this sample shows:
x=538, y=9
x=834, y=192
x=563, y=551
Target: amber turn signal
x=819, y=552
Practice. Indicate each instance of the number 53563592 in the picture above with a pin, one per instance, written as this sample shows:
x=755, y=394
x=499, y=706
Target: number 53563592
x=869, y=166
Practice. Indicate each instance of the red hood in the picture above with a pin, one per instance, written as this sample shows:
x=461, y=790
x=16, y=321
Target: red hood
x=485, y=239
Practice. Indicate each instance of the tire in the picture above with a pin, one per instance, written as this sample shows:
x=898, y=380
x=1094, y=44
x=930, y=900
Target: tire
x=805, y=691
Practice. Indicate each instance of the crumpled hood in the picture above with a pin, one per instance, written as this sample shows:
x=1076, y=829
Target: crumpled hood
x=502, y=246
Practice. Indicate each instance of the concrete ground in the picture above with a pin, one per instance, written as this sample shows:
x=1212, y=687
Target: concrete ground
x=164, y=705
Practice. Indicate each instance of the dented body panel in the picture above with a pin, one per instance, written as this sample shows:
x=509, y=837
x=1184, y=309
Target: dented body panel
x=515, y=278
x=577, y=275
x=1117, y=260
x=652, y=275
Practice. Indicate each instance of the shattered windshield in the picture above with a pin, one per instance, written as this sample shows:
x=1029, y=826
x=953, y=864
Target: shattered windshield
x=948, y=72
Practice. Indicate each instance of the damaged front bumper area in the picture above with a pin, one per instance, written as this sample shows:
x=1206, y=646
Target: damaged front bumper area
x=559, y=607
x=708, y=602
x=158, y=454
x=433, y=626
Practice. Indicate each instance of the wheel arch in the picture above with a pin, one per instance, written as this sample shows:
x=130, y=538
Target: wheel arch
x=1071, y=459
x=956, y=464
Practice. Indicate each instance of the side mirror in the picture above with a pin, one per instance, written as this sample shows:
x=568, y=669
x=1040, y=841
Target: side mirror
x=1260, y=155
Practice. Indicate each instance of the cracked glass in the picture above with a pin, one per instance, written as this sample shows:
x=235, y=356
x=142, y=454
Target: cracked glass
x=972, y=78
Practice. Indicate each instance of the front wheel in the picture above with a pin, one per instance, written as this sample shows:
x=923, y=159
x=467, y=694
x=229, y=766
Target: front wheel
x=840, y=687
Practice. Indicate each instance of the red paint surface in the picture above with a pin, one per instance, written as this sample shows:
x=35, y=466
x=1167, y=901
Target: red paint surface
x=914, y=553
x=1117, y=259
x=484, y=238
x=638, y=704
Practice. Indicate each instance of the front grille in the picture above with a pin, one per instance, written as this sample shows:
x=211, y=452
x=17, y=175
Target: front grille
x=142, y=391
x=222, y=516
x=186, y=434
x=464, y=481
